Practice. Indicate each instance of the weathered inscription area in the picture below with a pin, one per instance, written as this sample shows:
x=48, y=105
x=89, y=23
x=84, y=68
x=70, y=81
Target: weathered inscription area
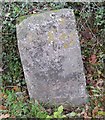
x=51, y=58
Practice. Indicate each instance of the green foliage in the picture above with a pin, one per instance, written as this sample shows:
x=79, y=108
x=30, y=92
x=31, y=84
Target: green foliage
x=37, y=111
x=89, y=16
x=18, y=107
x=100, y=22
x=99, y=18
x=101, y=113
x=58, y=113
x=57, y=5
x=13, y=73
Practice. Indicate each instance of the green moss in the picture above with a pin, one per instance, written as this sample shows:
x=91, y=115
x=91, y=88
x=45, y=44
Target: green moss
x=55, y=10
x=20, y=19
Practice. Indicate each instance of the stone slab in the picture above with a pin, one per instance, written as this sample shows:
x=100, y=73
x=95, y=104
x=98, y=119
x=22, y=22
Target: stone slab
x=51, y=57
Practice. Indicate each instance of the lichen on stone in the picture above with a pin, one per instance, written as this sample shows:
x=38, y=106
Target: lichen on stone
x=62, y=21
x=63, y=36
x=20, y=19
x=50, y=36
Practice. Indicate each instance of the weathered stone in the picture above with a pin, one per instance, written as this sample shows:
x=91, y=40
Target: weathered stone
x=51, y=58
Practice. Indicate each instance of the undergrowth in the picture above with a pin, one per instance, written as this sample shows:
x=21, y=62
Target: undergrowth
x=91, y=27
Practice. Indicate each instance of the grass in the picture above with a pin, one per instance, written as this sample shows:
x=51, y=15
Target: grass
x=16, y=102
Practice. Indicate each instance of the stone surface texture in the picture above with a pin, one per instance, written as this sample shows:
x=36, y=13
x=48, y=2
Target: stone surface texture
x=51, y=57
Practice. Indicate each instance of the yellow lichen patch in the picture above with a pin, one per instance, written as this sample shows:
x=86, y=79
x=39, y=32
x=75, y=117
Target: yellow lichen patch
x=55, y=10
x=72, y=34
x=72, y=42
x=62, y=21
x=30, y=37
x=63, y=36
x=53, y=30
x=66, y=45
x=50, y=36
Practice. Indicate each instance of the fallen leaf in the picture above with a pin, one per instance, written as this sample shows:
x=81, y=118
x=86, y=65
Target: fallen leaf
x=101, y=113
x=49, y=110
x=16, y=88
x=86, y=116
x=4, y=116
x=1, y=70
x=95, y=111
x=2, y=107
x=82, y=41
x=72, y=114
x=7, y=14
x=86, y=34
x=1, y=95
x=5, y=96
x=86, y=107
x=13, y=116
x=100, y=83
x=93, y=59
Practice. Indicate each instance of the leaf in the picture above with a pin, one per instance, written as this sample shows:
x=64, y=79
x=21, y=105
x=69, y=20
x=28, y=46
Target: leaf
x=7, y=14
x=2, y=107
x=82, y=41
x=86, y=116
x=1, y=95
x=60, y=109
x=72, y=114
x=56, y=114
x=86, y=34
x=4, y=116
x=101, y=113
x=16, y=88
x=49, y=116
x=1, y=70
x=63, y=116
x=93, y=59
x=96, y=91
x=95, y=111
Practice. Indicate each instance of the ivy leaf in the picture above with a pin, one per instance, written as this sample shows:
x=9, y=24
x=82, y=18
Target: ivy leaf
x=72, y=114
x=49, y=116
x=56, y=114
x=101, y=113
x=60, y=109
